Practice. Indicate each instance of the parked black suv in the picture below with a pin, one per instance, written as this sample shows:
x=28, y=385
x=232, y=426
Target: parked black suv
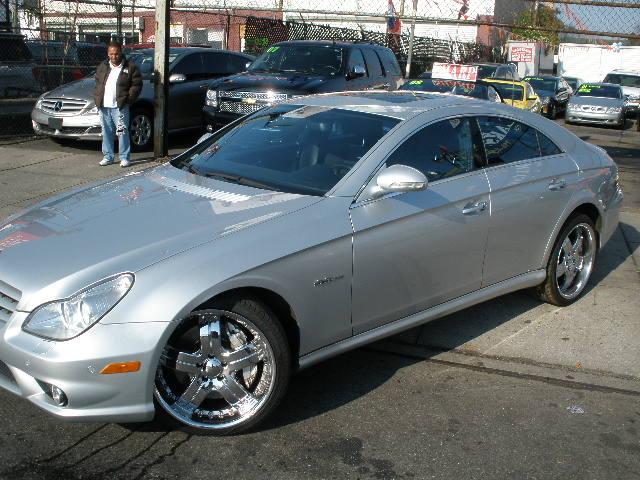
x=295, y=68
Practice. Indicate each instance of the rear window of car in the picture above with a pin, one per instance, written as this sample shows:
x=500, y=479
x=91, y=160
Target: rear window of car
x=14, y=50
x=289, y=148
x=597, y=90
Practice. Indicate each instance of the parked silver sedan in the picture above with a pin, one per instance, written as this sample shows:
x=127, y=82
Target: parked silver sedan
x=599, y=103
x=196, y=288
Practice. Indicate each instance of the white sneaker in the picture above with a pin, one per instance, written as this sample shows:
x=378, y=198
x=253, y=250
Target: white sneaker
x=105, y=161
x=125, y=163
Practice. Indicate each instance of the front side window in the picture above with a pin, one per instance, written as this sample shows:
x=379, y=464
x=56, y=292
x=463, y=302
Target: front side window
x=356, y=58
x=441, y=150
x=289, y=148
x=506, y=140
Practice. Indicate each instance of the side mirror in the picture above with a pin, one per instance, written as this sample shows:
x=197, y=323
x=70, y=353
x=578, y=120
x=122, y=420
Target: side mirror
x=177, y=78
x=356, y=71
x=399, y=178
x=204, y=137
x=533, y=97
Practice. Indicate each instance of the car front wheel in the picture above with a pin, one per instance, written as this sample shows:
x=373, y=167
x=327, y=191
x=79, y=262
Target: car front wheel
x=571, y=262
x=224, y=369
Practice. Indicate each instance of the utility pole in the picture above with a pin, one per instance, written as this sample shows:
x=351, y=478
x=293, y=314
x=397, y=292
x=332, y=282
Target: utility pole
x=118, y=5
x=411, y=37
x=535, y=13
x=161, y=79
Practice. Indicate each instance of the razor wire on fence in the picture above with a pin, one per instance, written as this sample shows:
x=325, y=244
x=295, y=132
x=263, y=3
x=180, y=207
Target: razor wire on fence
x=47, y=43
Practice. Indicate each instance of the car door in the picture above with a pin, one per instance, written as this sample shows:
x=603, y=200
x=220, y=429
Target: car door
x=531, y=182
x=186, y=98
x=414, y=250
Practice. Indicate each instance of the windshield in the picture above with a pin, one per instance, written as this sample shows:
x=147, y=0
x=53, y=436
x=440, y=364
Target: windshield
x=548, y=84
x=427, y=85
x=598, y=90
x=288, y=148
x=509, y=91
x=624, y=80
x=486, y=71
x=144, y=61
x=573, y=82
x=317, y=59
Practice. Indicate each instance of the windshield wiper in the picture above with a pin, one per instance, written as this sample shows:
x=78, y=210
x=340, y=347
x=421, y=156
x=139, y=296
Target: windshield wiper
x=237, y=179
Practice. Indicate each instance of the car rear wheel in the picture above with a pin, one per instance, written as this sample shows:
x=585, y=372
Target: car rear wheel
x=571, y=262
x=224, y=369
x=141, y=130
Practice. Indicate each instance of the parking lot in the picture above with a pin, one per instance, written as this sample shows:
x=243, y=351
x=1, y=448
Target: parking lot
x=508, y=389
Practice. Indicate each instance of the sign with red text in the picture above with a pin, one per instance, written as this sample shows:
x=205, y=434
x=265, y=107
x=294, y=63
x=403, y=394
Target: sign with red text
x=454, y=71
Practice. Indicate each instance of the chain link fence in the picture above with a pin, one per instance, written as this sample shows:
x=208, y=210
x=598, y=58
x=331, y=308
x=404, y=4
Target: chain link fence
x=45, y=43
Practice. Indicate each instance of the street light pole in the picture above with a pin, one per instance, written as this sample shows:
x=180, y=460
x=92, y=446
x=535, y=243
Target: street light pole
x=411, y=38
x=161, y=80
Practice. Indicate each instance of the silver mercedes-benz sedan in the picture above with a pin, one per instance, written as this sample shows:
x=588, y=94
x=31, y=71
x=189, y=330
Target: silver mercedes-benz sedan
x=599, y=103
x=196, y=288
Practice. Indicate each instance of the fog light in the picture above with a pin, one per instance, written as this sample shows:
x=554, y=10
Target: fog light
x=59, y=396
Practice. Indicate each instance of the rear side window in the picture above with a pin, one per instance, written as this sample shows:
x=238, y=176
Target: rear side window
x=507, y=141
x=547, y=147
x=373, y=63
x=389, y=61
x=14, y=50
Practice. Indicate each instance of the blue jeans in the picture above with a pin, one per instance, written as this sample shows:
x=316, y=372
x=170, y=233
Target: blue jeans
x=109, y=118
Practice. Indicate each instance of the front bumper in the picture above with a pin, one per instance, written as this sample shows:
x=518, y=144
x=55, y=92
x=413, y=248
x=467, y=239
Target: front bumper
x=29, y=365
x=79, y=127
x=595, y=118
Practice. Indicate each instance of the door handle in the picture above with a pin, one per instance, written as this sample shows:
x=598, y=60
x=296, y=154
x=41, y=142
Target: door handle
x=473, y=208
x=557, y=184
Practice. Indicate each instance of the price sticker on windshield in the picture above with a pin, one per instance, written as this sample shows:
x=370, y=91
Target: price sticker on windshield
x=454, y=71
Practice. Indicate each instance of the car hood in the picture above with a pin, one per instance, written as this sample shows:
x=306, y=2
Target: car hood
x=597, y=101
x=82, y=89
x=278, y=82
x=126, y=225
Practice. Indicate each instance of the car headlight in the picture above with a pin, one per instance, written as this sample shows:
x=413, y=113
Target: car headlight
x=39, y=102
x=93, y=110
x=68, y=318
x=614, y=109
x=212, y=98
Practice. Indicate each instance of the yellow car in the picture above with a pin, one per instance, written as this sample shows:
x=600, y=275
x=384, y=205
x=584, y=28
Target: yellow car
x=517, y=94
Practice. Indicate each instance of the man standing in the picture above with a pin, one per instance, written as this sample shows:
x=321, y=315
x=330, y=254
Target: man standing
x=118, y=84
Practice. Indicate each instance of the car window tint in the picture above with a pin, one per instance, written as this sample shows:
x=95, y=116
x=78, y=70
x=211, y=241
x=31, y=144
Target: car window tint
x=238, y=63
x=547, y=147
x=441, y=150
x=507, y=141
x=191, y=66
x=389, y=61
x=215, y=63
x=356, y=58
x=373, y=63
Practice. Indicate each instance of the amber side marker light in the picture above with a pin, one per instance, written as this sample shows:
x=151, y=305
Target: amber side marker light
x=124, y=367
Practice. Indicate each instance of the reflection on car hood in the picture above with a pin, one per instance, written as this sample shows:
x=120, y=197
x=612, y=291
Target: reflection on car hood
x=597, y=101
x=128, y=224
x=278, y=82
x=82, y=89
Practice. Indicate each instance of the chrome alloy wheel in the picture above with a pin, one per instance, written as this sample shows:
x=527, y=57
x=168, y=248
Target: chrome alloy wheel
x=140, y=129
x=216, y=371
x=575, y=261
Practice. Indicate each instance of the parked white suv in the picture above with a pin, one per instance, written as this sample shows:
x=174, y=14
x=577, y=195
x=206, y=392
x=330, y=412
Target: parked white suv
x=629, y=80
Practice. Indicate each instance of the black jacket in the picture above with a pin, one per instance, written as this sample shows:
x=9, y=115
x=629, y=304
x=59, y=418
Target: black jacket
x=128, y=86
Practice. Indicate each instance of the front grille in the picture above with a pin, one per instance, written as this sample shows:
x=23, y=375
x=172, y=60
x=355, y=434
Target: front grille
x=239, y=107
x=264, y=96
x=593, y=108
x=63, y=106
x=9, y=298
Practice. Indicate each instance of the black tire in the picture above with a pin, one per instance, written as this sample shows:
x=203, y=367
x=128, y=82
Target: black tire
x=141, y=129
x=550, y=291
x=553, y=112
x=214, y=414
x=622, y=124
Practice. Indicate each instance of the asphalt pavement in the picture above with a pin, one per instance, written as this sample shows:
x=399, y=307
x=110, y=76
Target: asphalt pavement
x=508, y=389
